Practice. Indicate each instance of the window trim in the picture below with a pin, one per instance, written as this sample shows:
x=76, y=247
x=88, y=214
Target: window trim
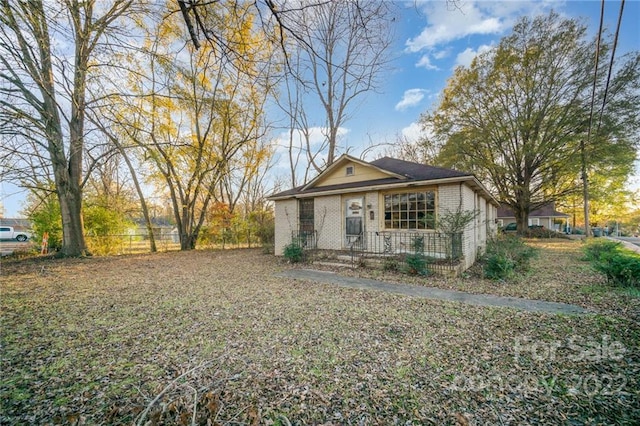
x=352, y=168
x=383, y=208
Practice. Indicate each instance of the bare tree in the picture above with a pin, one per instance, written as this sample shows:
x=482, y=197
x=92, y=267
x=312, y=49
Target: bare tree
x=43, y=90
x=337, y=55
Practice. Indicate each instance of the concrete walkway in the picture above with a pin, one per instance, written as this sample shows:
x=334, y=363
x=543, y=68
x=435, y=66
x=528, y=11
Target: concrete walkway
x=628, y=243
x=434, y=293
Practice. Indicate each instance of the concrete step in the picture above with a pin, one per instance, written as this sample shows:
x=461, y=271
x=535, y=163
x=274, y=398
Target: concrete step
x=335, y=264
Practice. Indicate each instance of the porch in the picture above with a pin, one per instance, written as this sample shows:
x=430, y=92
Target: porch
x=442, y=252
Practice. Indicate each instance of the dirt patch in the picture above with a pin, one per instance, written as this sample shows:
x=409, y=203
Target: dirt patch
x=216, y=335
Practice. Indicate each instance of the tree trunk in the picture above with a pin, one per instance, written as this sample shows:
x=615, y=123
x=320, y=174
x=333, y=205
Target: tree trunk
x=522, y=220
x=73, y=242
x=143, y=202
x=188, y=241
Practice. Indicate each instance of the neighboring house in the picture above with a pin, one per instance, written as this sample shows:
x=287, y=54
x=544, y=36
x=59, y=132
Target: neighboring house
x=546, y=216
x=22, y=225
x=382, y=206
x=161, y=226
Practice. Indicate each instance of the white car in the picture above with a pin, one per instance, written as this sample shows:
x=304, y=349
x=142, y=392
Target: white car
x=8, y=233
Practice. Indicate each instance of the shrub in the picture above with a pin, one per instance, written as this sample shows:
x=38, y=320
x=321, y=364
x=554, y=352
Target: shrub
x=505, y=256
x=542, y=232
x=46, y=217
x=416, y=264
x=390, y=264
x=619, y=265
x=294, y=253
x=499, y=267
x=594, y=249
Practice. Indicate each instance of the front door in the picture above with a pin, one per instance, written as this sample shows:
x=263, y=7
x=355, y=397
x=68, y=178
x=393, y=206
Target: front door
x=354, y=222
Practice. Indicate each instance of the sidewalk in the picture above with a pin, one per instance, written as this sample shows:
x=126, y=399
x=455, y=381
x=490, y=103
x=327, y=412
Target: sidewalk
x=626, y=244
x=434, y=293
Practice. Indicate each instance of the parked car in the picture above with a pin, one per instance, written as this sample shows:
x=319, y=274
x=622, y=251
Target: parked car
x=513, y=227
x=9, y=233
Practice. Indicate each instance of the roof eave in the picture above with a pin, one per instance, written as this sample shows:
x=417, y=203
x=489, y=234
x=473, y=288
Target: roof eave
x=475, y=183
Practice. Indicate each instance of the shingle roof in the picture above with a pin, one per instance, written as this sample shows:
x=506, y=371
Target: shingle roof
x=416, y=171
x=412, y=171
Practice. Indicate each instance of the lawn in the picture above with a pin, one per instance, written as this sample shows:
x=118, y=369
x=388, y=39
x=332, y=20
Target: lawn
x=213, y=337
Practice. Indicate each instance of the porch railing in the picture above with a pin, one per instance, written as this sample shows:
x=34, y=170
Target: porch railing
x=307, y=240
x=436, y=245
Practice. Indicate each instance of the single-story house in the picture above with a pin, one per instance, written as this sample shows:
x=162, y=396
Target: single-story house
x=546, y=216
x=385, y=207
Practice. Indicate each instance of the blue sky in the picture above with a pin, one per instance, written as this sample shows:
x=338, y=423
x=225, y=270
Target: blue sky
x=432, y=39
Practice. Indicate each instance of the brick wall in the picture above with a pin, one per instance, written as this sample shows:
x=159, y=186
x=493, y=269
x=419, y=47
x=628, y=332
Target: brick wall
x=286, y=212
x=328, y=217
x=453, y=196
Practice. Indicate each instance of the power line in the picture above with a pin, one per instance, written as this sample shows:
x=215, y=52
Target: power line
x=613, y=54
x=583, y=155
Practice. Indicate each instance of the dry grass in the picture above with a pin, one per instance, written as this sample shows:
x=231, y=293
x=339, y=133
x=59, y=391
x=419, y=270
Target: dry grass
x=179, y=338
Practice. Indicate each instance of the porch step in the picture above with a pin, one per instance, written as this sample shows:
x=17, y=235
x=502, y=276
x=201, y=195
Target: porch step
x=344, y=258
x=335, y=264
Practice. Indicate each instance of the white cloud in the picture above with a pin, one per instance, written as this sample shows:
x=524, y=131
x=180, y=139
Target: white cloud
x=415, y=131
x=411, y=97
x=412, y=132
x=441, y=54
x=425, y=62
x=465, y=57
x=447, y=23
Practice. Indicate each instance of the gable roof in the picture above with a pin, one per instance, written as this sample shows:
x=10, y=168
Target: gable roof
x=400, y=174
x=343, y=159
x=548, y=210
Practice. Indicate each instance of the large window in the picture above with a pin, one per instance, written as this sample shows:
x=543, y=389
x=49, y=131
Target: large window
x=306, y=214
x=410, y=210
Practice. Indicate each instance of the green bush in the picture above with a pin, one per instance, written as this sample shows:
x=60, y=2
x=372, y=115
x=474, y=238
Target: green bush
x=594, y=249
x=46, y=217
x=499, y=267
x=293, y=253
x=619, y=265
x=506, y=256
x=416, y=264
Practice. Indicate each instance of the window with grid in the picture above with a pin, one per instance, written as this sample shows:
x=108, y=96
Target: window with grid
x=410, y=210
x=306, y=214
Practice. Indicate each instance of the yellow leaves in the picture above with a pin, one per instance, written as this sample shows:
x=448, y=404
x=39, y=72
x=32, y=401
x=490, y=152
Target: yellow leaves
x=170, y=28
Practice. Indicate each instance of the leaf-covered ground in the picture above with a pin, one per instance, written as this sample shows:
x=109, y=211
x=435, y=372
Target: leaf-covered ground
x=212, y=337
